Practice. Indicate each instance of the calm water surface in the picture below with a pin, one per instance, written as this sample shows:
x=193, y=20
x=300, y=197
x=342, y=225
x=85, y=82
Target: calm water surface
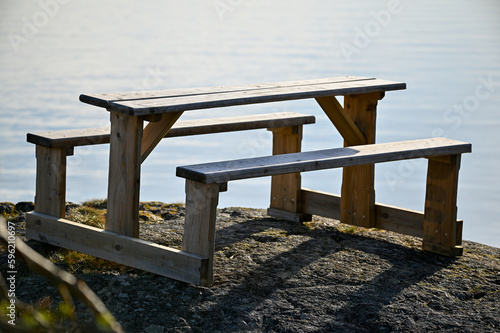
x=448, y=53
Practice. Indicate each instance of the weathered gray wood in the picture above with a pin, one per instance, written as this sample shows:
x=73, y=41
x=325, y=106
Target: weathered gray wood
x=160, y=104
x=70, y=138
x=103, y=100
x=95, y=136
x=141, y=254
x=220, y=172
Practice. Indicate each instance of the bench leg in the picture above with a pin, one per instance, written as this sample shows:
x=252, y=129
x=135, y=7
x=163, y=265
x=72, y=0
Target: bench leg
x=442, y=231
x=199, y=225
x=357, y=203
x=286, y=189
x=124, y=174
x=50, y=195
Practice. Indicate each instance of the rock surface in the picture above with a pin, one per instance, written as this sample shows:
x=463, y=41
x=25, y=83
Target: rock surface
x=278, y=276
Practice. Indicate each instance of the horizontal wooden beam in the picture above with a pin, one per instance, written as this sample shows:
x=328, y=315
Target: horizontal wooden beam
x=129, y=251
x=400, y=220
x=396, y=219
x=320, y=203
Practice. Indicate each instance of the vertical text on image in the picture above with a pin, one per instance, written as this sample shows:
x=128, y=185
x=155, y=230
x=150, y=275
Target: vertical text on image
x=11, y=273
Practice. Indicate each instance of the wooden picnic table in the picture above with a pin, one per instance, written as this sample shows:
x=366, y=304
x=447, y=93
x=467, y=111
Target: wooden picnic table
x=130, y=144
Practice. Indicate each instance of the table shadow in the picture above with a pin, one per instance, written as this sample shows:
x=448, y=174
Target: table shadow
x=356, y=310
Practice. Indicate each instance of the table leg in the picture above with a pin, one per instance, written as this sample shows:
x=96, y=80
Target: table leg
x=124, y=174
x=357, y=205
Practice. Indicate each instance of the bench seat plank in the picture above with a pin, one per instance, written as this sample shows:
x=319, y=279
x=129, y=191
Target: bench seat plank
x=173, y=102
x=221, y=172
x=100, y=135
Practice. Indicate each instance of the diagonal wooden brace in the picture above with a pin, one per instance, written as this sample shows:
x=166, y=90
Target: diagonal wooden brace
x=155, y=131
x=341, y=120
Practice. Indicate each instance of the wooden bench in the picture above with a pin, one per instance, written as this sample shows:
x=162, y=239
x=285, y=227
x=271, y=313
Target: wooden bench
x=438, y=225
x=53, y=147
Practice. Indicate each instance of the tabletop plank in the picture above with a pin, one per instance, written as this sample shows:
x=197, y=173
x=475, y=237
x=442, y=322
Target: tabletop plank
x=104, y=99
x=160, y=101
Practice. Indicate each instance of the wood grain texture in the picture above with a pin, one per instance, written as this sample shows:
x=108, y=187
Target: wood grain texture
x=285, y=189
x=220, y=172
x=440, y=219
x=103, y=100
x=95, y=136
x=154, y=132
x=341, y=120
x=165, y=101
x=115, y=247
x=50, y=195
x=401, y=220
x=199, y=224
x=358, y=192
x=320, y=203
x=124, y=174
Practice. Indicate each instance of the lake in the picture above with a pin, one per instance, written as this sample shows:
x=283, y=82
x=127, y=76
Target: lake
x=448, y=53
